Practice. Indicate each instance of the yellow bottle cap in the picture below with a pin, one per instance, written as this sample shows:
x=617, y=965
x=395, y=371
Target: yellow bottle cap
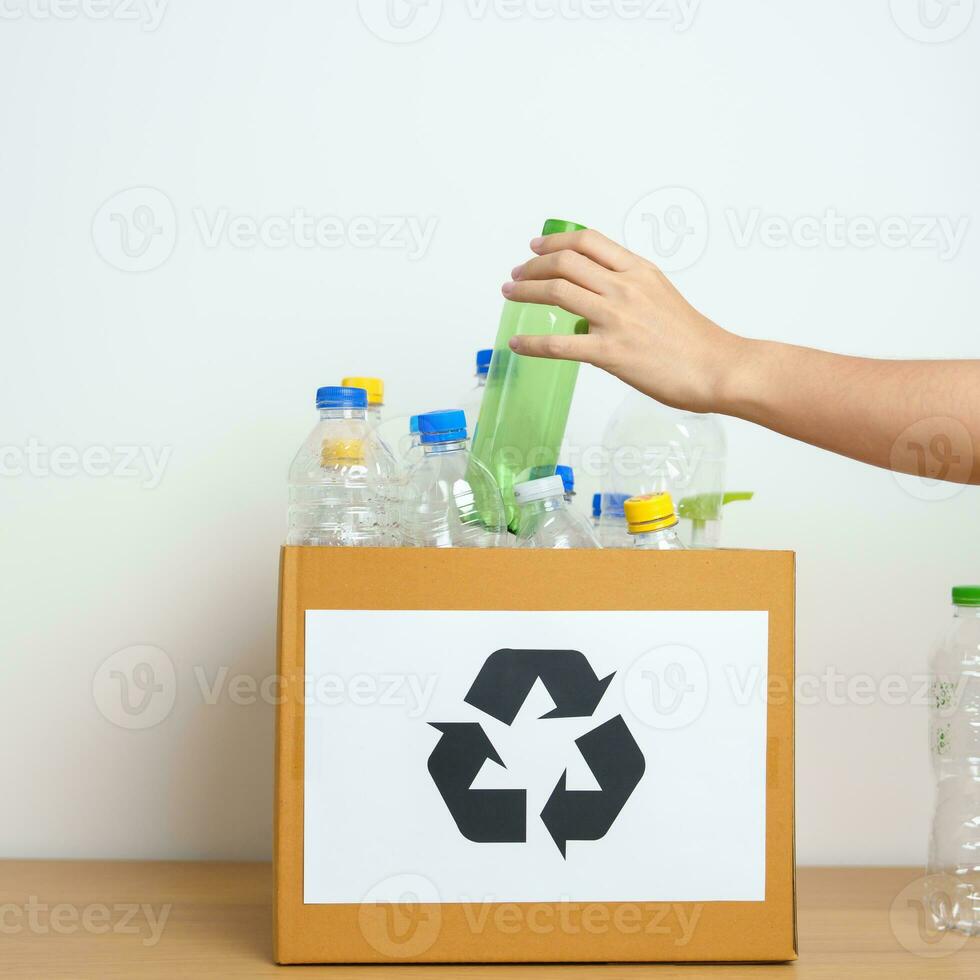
x=651, y=512
x=336, y=452
x=374, y=387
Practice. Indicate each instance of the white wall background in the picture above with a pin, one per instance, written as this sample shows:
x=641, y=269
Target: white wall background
x=211, y=355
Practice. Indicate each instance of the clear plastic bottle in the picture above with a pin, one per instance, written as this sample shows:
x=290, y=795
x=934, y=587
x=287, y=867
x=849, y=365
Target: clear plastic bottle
x=546, y=520
x=612, y=522
x=953, y=881
x=340, y=480
x=648, y=448
x=450, y=500
x=596, y=510
x=474, y=397
x=652, y=522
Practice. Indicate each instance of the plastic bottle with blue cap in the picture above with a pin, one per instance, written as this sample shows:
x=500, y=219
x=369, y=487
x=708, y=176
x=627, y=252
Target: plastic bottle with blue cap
x=545, y=518
x=341, y=479
x=567, y=475
x=613, y=532
x=450, y=500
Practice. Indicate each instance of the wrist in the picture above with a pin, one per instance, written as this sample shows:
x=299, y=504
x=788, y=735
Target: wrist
x=739, y=388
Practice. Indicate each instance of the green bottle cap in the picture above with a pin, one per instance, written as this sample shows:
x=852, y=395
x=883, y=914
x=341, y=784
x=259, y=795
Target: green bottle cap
x=966, y=595
x=554, y=226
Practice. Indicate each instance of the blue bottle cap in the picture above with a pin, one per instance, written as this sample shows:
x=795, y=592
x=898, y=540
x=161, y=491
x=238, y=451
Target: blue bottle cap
x=612, y=504
x=336, y=396
x=567, y=477
x=597, y=505
x=413, y=425
x=448, y=425
x=483, y=358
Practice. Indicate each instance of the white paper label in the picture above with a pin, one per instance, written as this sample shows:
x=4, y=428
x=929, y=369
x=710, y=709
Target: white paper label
x=647, y=783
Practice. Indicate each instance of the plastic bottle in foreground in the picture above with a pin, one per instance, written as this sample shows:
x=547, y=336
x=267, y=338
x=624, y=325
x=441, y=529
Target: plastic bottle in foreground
x=652, y=522
x=546, y=520
x=648, y=448
x=953, y=881
x=612, y=522
x=340, y=480
x=450, y=500
x=525, y=406
x=474, y=397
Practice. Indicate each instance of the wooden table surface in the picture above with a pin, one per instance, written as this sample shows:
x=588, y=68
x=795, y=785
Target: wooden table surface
x=106, y=919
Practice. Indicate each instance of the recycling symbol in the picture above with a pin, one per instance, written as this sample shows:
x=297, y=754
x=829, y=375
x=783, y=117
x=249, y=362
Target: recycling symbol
x=488, y=816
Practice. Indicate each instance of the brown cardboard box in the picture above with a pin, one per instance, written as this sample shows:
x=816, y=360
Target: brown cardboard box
x=320, y=919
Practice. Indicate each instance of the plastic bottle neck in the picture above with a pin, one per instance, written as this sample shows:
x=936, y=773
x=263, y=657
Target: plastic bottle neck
x=444, y=448
x=652, y=539
x=359, y=414
x=966, y=612
x=547, y=505
x=481, y=381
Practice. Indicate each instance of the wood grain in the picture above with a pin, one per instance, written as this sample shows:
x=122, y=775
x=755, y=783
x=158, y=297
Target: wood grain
x=68, y=919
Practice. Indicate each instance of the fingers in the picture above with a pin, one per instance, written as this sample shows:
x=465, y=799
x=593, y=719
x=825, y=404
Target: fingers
x=579, y=347
x=569, y=265
x=555, y=292
x=591, y=244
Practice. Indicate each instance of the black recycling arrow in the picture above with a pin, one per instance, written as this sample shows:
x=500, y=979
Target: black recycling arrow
x=486, y=816
x=617, y=764
x=506, y=679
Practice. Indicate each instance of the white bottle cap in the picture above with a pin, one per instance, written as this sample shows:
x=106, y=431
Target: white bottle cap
x=548, y=486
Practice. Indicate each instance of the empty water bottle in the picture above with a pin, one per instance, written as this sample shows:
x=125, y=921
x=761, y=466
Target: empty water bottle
x=953, y=881
x=613, y=532
x=450, y=500
x=649, y=448
x=546, y=520
x=652, y=522
x=340, y=480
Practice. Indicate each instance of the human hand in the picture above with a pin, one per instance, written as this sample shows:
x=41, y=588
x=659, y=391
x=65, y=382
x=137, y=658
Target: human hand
x=641, y=329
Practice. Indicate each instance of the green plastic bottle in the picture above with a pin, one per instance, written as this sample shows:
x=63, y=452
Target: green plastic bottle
x=525, y=406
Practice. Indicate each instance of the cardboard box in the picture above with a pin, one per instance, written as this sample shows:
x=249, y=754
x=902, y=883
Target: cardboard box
x=525, y=756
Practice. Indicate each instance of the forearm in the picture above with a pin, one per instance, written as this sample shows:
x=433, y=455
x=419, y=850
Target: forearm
x=920, y=417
